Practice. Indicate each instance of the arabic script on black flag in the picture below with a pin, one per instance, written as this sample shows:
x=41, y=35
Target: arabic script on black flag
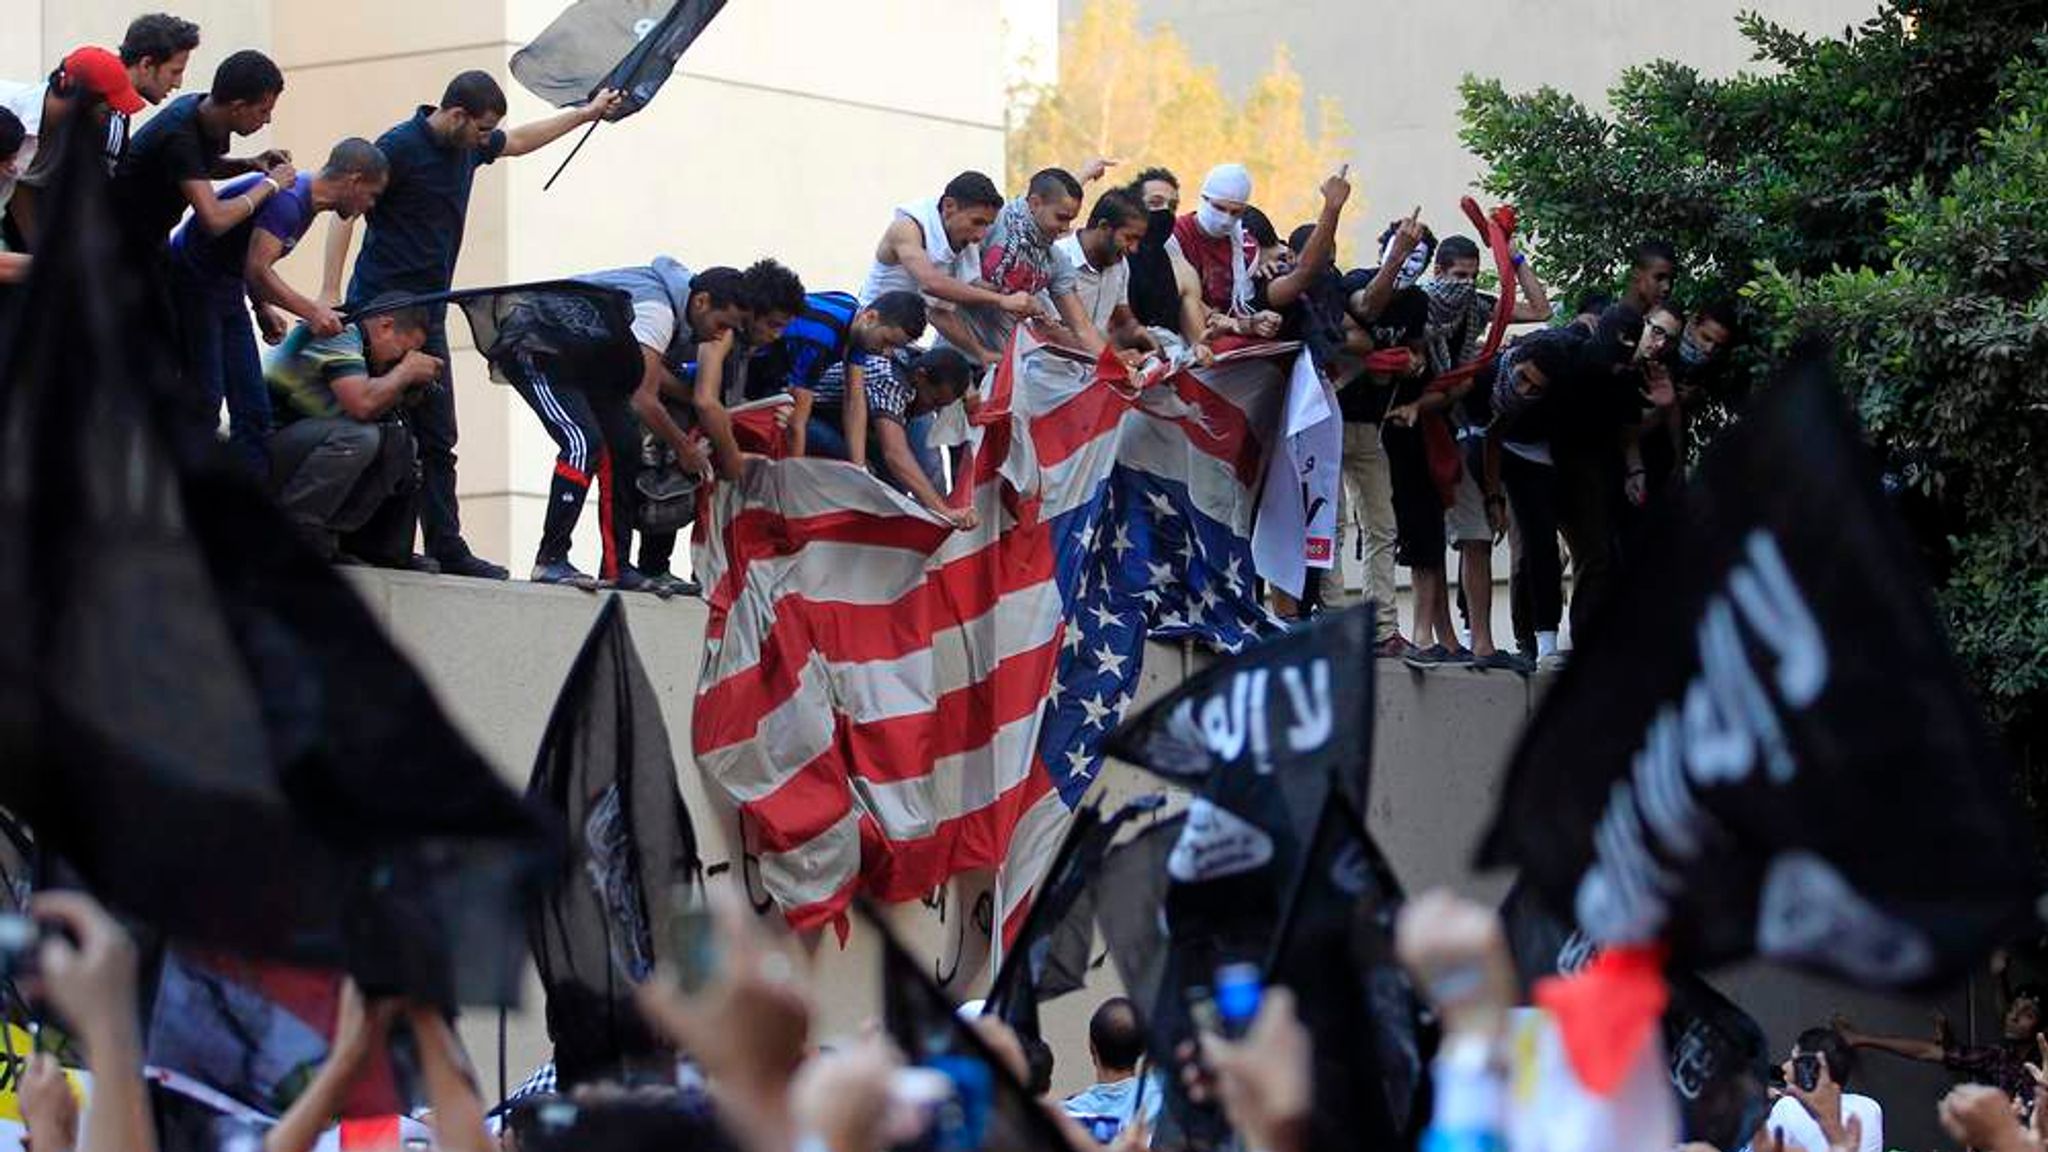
x=1776, y=713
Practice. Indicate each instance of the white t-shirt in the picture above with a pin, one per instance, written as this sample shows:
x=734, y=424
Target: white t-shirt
x=1801, y=1131
x=654, y=324
x=26, y=102
x=1100, y=290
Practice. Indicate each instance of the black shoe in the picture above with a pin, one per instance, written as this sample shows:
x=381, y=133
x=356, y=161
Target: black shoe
x=676, y=585
x=473, y=566
x=1505, y=661
x=1423, y=659
x=564, y=573
x=344, y=560
x=425, y=564
x=631, y=579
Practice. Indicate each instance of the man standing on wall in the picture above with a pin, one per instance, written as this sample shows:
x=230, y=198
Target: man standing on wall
x=414, y=239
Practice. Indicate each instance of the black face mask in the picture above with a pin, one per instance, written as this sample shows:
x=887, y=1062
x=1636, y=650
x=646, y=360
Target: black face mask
x=1158, y=227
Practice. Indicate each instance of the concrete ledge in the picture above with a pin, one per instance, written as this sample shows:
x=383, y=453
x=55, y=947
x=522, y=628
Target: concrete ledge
x=496, y=654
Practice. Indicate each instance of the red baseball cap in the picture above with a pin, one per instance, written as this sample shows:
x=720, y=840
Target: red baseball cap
x=102, y=73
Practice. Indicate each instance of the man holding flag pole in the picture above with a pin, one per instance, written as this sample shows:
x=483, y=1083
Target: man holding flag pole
x=414, y=239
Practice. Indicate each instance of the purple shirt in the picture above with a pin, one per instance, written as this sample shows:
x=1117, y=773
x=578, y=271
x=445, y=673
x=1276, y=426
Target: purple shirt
x=286, y=216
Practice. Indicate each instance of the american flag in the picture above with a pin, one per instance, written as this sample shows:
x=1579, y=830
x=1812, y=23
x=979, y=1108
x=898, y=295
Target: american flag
x=889, y=703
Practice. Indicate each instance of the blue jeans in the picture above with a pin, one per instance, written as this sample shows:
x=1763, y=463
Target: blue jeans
x=823, y=436
x=221, y=361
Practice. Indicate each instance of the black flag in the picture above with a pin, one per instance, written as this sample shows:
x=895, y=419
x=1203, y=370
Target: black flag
x=1776, y=712
x=1050, y=956
x=993, y=1110
x=1373, y=1037
x=1264, y=738
x=200, y=717
x=1296, y=709
x=587, y=328
x=1130, y=908
x=610, y=915
x=1719, y=1059
x=629, y=45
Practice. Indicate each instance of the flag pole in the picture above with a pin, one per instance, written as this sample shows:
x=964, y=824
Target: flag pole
x=580, y=142
x=502, y=1090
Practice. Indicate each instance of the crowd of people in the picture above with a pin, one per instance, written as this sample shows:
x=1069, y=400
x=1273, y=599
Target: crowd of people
x=1565, y=442
x=1576, y=430
x=756, y=1078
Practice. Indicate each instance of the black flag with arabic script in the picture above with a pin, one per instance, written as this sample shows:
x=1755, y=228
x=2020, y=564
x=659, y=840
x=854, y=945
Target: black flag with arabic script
x=629, y=45
x=1264, y=739
x=1051, y=953
x=1373, y=1037
x=609, y=913
x=1769, y=710
x=1719, y=1059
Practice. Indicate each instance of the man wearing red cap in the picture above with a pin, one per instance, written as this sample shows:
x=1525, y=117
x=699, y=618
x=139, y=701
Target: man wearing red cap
x=90, y=83
x=154, y=52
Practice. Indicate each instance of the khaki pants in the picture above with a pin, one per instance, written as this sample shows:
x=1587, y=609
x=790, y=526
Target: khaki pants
x=1366, y=497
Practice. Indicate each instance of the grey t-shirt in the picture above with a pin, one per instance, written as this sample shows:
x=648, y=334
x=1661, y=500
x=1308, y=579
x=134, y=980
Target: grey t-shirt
x=1010, y=263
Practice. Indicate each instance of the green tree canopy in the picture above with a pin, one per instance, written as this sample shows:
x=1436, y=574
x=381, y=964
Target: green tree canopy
x=1889, y=189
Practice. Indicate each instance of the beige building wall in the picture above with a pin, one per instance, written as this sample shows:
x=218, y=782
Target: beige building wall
x=792, y=130
x=1394, y=67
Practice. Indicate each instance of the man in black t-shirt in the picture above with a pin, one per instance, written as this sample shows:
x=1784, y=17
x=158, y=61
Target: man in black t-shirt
x=170, y=166
x=172, y=162
x=1418, y=505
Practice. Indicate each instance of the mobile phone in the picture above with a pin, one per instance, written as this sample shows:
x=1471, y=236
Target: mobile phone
x=1806, y=1071
x=1239, y=987
x=696, y=941
x=961, y=1122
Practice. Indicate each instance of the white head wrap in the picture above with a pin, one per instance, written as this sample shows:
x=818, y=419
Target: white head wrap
x=1229, y=182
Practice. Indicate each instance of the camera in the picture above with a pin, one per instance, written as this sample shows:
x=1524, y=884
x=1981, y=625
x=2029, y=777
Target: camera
x=1806, y=1071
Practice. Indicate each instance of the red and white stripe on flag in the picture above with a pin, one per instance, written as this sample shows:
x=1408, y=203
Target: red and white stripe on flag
x=872, y=679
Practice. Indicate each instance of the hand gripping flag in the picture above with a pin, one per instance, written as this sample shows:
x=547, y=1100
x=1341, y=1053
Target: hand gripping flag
x=628, y=45
x=888, y=702
x=989, y=1108
x=1767, y=709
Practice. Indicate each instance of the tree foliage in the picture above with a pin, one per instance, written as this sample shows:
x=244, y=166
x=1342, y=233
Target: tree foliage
x=1889, y=189
x=1126, y=92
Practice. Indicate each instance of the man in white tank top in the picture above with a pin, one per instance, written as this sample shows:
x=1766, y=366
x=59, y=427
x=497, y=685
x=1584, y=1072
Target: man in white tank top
x=933, y=247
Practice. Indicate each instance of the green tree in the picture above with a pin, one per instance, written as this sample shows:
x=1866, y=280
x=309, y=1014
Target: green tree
x=1889, y=189
x=1125, y=92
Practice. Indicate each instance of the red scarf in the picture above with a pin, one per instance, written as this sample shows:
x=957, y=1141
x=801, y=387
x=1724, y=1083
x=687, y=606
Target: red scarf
x=1211, y=257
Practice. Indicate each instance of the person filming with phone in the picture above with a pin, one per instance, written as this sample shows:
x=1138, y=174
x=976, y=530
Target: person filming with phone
x=1817, y=1077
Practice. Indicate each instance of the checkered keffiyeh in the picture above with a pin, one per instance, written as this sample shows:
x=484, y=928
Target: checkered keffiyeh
x=540, y=1083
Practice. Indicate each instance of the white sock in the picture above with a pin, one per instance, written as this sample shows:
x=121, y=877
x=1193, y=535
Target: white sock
x=1546, y=644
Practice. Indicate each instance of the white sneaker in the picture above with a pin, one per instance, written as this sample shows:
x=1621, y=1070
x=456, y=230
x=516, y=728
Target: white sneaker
x=1551, y=663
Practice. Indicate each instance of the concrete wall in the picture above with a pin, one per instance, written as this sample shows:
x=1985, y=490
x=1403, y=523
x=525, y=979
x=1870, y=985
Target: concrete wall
x=496, y=655
x=779, y=136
